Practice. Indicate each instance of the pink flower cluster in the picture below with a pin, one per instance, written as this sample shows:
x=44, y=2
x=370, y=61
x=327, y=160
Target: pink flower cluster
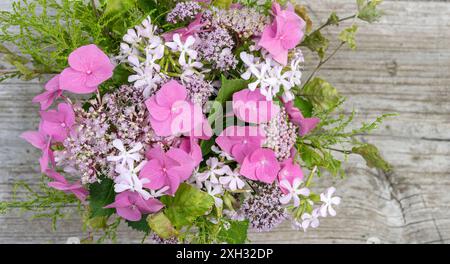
x=245, y=143
x=88, y=68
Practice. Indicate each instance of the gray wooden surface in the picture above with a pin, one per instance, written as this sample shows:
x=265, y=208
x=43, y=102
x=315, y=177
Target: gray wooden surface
x=402, y=65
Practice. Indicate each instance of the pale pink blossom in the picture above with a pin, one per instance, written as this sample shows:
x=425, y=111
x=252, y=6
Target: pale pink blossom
x=167, y=168
x=89, y=67
x=292, y=191
x=52, y=92
x=283, y=34
x=58, y=123
x=240, y=141
x=252, y=107
x=131, y=206
x=328, y=201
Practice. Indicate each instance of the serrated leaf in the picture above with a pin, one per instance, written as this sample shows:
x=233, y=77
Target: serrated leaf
x=141, y=225
x=236, y=233
x=187, y=204
x=161, y=225
x=372, y=156
x=100, y=195
x=303, y=13
x=316, y=42
x=321, y=94
x=367, y=10
x=304, y=106
x=333, y=19
x=348, y=36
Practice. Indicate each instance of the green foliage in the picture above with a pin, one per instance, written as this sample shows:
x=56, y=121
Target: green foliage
x=228, y=88
x=100, y=195
x=46, y=203
x=321, y=94
x=236, y=233
x=161, y=225
x=367, y=10
x=316, y=42
x=223, y=4
x=372, y=155
x=140, y=225
x=304, y=106
x=348, y=36
x=187, y=204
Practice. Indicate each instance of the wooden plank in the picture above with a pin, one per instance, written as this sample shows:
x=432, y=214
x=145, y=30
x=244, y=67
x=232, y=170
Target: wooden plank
x=402, y=65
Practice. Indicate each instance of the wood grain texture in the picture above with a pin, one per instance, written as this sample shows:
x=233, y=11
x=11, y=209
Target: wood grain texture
x=402, y=65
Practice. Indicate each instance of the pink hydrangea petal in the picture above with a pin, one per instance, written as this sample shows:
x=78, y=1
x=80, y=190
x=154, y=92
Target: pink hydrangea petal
x=170, y=93
x=55, y=176
x=75, y=82
x=45, y=99
x=69, y=115
x=157, y=112
x=248, y=169
x=191, y=146
x=99, y=76
x=153, y=171
x=87, y=58
x=35, y=138
x=308, y=124
x=149, y=206
x=129, y=213
x=53, y=84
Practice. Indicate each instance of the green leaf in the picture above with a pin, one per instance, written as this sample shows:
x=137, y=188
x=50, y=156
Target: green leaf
x=223, y=4
x=161, y=225
x=114, y=7
x=372, y=156
x=187, y=204
x=316, y=42
x=100, y=195
x=348, y=36
x=309, y=156
x=367, y=10
x=333, y=19
x=140, y=225
x=321, y=94
x=206, y=145
x=304, y=106
x=236, y=233
x=228, y=88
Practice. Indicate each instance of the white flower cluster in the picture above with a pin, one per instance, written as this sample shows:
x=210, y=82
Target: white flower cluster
x=188, y=56
x=270, y=76
x=217, y=178
x=312, y=219
x=128, y=179
x=142, y=49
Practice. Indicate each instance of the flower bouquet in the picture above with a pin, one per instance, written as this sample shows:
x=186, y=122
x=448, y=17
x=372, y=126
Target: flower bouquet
x=189, y=121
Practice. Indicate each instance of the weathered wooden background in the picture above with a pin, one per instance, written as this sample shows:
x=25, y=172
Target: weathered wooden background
x=402, y=65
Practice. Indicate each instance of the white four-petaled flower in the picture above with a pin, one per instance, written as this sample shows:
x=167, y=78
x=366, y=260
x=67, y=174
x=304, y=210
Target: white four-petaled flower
x=128, y=180
x=232, y=180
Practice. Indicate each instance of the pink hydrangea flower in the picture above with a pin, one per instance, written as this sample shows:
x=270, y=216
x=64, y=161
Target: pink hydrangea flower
x=239, y=141
x=52, y=92
x=261, y=165
x=283, y=34
x=289, y=171
x=167, y=169
x=191, y=146
x=252, y=107
x=41, y=141
x=193, y=28
x=58, y=123
x=171, y=114
x=131, y=206
x=62, y=184
x=295, y=115
x=89, y=67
